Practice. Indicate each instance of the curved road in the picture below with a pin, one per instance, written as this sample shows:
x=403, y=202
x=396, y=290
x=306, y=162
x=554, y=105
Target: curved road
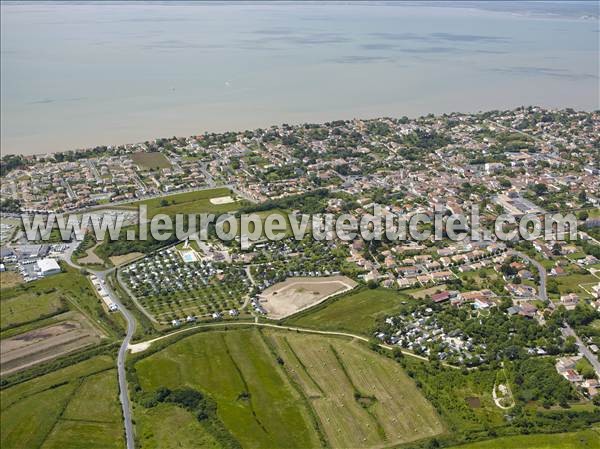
x=542, y=293
x=142, y=346
x=567, y=330
x=121, y=374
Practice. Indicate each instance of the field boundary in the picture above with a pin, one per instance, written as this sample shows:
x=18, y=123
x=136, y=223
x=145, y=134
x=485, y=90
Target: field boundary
x=142, y=346
x=305, y=398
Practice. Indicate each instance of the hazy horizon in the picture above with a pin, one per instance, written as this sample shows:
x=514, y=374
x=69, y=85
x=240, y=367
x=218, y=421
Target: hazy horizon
x=83, y=74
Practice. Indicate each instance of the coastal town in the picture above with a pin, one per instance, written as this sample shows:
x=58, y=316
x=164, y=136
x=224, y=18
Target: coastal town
x=292, y=224
x=453, y=160
x=466, y=304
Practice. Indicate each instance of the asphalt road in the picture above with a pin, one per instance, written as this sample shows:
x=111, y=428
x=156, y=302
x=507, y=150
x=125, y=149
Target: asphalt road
x=588, y=354
x=123, y=389
x=541, y=270
x=567, y=330
x=121, y=374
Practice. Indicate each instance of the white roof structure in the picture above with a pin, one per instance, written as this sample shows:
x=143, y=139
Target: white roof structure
x=48, y=266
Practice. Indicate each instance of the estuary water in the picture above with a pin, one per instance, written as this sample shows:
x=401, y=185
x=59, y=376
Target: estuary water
x=79, y=74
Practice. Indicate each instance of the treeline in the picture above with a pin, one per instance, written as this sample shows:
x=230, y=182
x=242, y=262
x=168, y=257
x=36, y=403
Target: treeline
x=122, y=246
x=309, y=203
x=11, y=162
x=201, y=406
x=536, y=379
x=59, y=363
x=10, y=205
x=71, y=156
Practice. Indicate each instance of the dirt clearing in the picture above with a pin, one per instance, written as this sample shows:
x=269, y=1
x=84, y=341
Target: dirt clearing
x=222, y=200
x=125, y=258
x=299, y=293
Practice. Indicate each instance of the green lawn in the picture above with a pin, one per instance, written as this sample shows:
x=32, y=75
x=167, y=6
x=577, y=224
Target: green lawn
x=150, y=160
x=585, y=439
x=28, y=306
x=76, y=406
x=480, y=278
x=594, y=213
x=576, y=255
x=187, y=203
x=570, y=284
x=354, y=312
x=263, y=216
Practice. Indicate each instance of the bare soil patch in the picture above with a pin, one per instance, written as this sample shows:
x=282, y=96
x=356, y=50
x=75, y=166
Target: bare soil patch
x=91, y=257
x=473, y=402
x=299, y=293
x=10, y=279
x=222, y=200
x=23, y=350
x=123, y=259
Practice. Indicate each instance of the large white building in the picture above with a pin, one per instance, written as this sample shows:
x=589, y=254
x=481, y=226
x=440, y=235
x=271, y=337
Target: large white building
x=48, y=267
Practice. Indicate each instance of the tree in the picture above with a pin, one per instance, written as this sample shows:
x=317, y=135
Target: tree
x=583, y=215
x=372, y=284
x=540, y=189
x=397, y=354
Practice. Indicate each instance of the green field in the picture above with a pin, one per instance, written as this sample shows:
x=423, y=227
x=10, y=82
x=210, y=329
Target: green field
x=478, y=279
x=75, y=407
x=167, y=426
x=25, y=307
x=594, y=213
x=263, y=216
x=187, y=203
x=151, y=160
x=226, y=365
x=586, y=439
x=270, y=392
x=361, y=399
x=355, y=312
x=29, y=306
x=570, y=284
